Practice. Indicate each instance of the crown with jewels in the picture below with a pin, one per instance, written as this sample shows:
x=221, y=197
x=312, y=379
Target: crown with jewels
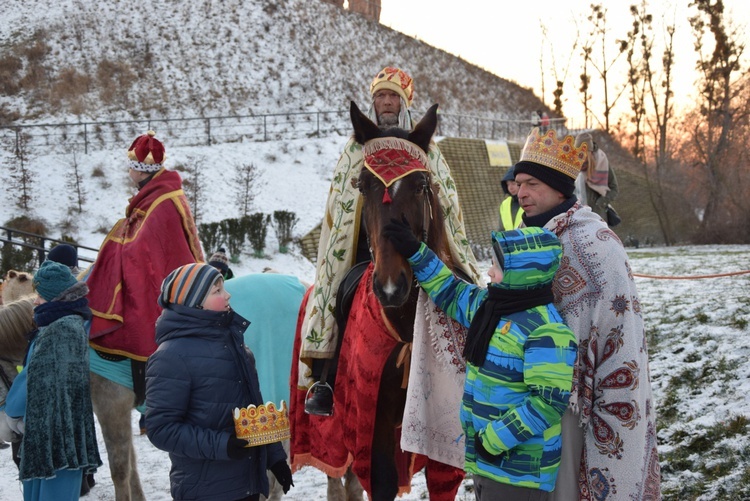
x=262, y=424
x=561, y=155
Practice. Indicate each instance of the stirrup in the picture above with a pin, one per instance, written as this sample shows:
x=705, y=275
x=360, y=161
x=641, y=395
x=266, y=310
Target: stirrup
x=313, y=404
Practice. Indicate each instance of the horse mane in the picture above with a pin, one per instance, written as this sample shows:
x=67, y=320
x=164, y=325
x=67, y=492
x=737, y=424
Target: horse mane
x=16, y=320
x=436, y=238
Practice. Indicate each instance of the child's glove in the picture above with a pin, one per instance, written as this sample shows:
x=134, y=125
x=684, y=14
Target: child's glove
x=236, y=448
x=401, y=236
x=283, y=474
x=482, y=452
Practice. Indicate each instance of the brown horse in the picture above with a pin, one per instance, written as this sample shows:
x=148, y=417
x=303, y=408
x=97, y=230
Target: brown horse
x=370, y=392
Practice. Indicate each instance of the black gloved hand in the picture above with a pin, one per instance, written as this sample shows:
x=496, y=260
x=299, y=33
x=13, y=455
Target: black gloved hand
x=401, y=236
x=482, y=452
x=283, y=474
x=236, y=448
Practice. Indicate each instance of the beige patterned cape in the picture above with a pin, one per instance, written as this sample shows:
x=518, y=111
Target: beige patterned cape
x=337, y=246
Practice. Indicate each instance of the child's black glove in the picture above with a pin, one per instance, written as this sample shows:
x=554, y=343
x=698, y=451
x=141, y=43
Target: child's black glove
x=283, y=474
x=236, y=448
x=482, y=452
x=401, y=236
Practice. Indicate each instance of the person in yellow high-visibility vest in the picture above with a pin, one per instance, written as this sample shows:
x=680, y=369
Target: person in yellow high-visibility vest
x=511, y=213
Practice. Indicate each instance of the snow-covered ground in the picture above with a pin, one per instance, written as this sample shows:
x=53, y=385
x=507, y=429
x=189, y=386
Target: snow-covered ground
x=692, y=325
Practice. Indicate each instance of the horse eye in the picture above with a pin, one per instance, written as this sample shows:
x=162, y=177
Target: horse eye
x=421, y=188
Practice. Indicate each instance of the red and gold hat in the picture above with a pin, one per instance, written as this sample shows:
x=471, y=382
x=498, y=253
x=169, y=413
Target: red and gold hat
x=146, y=154
x=394, y=79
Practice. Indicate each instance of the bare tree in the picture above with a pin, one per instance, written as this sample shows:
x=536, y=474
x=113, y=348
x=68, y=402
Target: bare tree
x=602, y=65
x=21, y=179
x=246, y=181
x=719, y=97
x=75, y=184
x=649, y=86
x=560, y=73
x=193, y=186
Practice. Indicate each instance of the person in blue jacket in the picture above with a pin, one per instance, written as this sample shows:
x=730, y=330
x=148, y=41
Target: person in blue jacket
x=200, y=372
x=519, y=358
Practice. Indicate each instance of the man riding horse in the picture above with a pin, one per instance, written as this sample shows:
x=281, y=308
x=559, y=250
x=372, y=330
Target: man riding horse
x=342, y=244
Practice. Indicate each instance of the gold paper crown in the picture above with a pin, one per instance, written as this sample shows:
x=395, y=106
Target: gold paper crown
x=263, y=424
x=561, y=155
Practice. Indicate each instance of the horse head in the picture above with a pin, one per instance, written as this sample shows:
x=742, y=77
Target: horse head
x=395, y=182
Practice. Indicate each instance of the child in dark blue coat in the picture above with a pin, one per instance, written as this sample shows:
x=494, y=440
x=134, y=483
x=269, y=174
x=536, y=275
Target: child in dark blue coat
x=199, y=374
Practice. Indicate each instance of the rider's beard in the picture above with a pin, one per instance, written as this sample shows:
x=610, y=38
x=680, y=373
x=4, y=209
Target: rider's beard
x=387, y=120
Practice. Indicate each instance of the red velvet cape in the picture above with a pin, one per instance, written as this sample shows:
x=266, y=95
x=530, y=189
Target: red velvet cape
x=333, y=443
x=156, y=236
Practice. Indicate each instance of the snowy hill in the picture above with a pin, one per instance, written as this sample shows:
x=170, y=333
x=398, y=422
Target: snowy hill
x=74, y=60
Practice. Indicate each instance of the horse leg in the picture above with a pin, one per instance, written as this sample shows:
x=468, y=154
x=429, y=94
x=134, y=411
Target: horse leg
x=389, y=414
x=335, y=490
x=113, y=404
x=354, y=489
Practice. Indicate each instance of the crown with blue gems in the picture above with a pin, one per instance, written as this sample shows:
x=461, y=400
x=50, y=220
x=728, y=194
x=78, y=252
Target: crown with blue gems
x=262, y=424
x=561, y=155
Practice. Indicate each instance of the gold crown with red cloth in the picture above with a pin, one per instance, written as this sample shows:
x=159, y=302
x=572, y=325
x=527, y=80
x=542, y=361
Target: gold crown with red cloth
x=262, y=424
x=146, y=154
x=561, y=155
x=396, y=80
x=391, y=158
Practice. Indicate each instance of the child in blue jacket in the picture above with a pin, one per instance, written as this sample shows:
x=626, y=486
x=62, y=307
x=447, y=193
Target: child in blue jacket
x=200, y=372
x=519, y=358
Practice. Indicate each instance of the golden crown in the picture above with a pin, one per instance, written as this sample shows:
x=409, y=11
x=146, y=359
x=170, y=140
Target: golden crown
x=562, y=155
x=262, y=424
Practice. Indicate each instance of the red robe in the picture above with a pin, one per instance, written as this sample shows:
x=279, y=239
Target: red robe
x=156, y=236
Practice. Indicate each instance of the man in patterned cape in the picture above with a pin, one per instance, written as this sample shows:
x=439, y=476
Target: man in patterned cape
x=342, y=244
x=608, y=432
x=156, y=236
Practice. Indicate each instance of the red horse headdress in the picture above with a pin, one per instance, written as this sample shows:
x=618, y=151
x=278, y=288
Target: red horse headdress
x=391, y=158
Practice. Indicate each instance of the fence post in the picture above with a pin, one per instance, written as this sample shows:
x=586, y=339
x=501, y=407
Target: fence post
x=208, y=130
x=265, y=134
x=18, y=139
x=317, y=127
x=85, y=139
x=477, y=130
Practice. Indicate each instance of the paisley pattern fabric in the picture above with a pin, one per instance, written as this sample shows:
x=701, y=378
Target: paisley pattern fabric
x=337, y=247
x=596, y=295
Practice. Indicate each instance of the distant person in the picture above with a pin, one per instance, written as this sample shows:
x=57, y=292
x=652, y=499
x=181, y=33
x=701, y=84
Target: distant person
x=220, y=261
x=157, y=235
x=65, y=254
x=200, y=373
x=510, y=210
x=519, y=358
x=536, y=118
x=52, y=410
x=609, y=429
x=596, y=185
x=544, y=123
x=343, y=239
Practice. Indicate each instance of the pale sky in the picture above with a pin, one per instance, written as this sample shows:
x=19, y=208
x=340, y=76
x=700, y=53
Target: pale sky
x=505, y=37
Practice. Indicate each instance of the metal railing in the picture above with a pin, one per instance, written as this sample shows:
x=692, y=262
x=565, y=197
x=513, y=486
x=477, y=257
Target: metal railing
x=91, y=136
x=39, y=243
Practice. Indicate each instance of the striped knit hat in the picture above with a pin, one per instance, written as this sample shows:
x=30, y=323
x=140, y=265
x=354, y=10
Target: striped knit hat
x=188, y=285
x=531, y=255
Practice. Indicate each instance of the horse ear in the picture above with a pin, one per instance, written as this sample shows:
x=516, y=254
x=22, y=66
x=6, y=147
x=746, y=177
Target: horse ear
x=423, y=131
x=364, y=129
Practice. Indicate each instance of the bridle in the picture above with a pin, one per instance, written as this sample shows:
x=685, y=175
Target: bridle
x=426, y=211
